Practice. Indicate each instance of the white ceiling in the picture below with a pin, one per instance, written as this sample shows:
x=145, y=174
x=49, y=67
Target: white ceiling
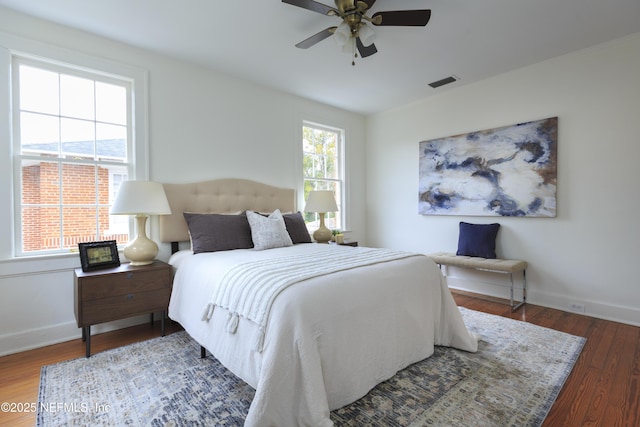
x=254, y=40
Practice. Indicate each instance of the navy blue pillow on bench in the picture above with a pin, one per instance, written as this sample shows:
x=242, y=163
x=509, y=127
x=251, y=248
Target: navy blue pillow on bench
x=477, y=240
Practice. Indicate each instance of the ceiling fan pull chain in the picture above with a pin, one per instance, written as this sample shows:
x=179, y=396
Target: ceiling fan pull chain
x=355, y=51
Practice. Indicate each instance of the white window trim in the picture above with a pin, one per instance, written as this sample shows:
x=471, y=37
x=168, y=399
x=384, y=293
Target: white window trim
x=11, y=45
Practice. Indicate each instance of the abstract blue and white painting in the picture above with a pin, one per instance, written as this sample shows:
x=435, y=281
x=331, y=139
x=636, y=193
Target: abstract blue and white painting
x=507, y=171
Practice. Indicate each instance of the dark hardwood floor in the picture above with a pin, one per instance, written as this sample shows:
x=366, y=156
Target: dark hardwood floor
x=602, y=390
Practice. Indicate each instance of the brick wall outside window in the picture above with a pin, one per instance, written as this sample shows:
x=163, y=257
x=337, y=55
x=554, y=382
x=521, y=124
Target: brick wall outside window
x=41, y=224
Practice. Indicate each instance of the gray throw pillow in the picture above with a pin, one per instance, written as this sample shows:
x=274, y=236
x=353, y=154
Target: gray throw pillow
x=217, y=232
x=268, y=232
x=297, y=228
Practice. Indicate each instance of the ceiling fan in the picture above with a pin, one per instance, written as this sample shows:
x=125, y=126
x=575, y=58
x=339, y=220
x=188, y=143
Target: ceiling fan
x=353, y=32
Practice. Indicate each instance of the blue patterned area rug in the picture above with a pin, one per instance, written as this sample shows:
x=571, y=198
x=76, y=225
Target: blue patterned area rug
x=512, y=380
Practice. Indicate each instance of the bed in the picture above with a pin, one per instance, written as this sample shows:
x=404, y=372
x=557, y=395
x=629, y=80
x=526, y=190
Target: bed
x=322, y=336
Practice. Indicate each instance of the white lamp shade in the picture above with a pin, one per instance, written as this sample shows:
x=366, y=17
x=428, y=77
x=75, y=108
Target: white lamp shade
x=367, y=36
x=342, y=34
x=349, y=46
x=140, y=197
x=321, y=201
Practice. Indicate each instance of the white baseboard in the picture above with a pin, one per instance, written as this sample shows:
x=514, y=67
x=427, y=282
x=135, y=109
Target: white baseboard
x=54, y=334
x=615, y=313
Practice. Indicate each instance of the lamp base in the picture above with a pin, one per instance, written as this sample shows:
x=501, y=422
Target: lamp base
x=142, y=250
x=322, y=234
x=141, y=262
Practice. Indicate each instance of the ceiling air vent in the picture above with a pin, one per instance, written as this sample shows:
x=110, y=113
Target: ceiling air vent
x=443, y=82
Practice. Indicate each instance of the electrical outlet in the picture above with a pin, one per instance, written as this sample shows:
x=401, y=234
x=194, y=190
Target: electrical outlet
x=577, y=307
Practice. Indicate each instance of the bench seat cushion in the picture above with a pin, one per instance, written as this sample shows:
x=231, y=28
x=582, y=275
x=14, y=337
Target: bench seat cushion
x=504, y=265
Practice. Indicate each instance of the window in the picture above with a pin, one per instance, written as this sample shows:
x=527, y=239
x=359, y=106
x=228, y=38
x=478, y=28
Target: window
x=73, y=146
x=323, y=169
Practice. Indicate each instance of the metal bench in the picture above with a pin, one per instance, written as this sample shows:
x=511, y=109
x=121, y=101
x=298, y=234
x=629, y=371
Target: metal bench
x=507, y=266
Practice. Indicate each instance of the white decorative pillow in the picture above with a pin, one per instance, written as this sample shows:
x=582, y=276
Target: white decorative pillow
x=268, y=232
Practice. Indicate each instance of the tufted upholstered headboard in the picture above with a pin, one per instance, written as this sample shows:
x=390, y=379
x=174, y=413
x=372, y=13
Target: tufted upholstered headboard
x=219, y=196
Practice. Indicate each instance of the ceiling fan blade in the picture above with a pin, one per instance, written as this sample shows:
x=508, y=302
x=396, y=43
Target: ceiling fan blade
x=369, y=3
x=405, y=18
x=365, y=50
x=316, y=38
x=313, y=5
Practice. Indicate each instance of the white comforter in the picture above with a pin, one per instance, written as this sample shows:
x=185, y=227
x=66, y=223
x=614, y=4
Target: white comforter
x=329, y=339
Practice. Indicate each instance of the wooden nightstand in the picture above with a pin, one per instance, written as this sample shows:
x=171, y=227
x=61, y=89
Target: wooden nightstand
x=116, y=293
x=346, y=243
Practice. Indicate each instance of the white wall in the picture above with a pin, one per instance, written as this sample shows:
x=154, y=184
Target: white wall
x=587, y=254
x=202, y=125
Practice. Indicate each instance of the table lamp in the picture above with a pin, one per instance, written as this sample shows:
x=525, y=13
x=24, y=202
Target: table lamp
x=141, y=198
x=321, y=202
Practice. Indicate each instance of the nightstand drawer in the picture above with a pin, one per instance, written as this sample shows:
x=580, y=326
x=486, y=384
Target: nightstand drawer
x=125, y=305
x=124, y=283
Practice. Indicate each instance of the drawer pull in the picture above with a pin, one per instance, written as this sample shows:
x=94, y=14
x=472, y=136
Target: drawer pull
x=130, y=296
x=129, y=275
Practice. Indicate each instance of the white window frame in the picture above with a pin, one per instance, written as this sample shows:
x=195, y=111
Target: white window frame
x=14, y=46
x=341, y=180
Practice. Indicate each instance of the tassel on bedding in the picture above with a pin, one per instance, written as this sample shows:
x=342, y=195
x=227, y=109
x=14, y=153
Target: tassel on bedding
x=207, y=312
x=232, y=322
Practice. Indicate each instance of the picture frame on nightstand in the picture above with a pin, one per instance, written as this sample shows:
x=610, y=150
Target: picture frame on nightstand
x=98, y=255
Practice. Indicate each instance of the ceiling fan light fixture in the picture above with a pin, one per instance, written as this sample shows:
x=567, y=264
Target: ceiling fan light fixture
x=367, y=35
x=349, y=47
x=343, y=34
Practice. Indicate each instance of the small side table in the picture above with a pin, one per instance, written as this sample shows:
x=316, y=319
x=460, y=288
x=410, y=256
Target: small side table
x=116, y=293
x=352, y=243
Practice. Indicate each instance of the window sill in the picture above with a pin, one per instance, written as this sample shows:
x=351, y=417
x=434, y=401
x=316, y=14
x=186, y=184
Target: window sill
x=38, y=264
